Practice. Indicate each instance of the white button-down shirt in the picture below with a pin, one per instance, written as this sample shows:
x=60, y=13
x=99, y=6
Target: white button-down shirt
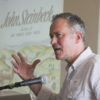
x=82, y=81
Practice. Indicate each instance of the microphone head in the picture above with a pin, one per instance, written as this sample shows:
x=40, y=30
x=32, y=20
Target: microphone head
x=44, y=79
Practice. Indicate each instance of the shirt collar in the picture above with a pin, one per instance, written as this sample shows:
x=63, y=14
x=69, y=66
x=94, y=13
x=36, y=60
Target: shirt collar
x=83, y=56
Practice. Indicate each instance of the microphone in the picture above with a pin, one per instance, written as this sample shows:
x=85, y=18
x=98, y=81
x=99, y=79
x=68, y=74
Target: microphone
x=42, y=80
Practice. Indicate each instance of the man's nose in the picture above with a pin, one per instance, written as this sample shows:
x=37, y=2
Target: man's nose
x=53, y=40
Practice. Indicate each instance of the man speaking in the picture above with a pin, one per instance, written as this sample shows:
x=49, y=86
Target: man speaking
x=82, y=82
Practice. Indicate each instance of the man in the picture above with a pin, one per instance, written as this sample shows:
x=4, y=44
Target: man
x=82, y=82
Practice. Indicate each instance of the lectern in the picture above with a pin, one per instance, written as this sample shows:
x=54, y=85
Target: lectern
x=16, y=97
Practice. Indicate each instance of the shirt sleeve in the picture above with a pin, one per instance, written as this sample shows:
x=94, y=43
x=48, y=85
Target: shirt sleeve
x=95, y=78
x=47, y=94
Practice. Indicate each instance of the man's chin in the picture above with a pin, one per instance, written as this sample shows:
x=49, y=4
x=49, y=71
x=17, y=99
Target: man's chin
x=58, y=58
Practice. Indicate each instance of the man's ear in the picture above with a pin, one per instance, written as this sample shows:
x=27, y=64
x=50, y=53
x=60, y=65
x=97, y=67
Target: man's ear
x=78, y=37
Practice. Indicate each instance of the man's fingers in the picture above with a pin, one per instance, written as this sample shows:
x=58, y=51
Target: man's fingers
x=35, y=63
x=16, y=58
x=15, y=70
x=15, y=64
x=21, y=57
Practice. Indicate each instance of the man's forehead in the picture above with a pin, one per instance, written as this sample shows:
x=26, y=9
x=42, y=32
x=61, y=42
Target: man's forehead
x=59, y=24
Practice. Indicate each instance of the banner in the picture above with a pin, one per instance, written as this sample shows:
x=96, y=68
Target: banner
x=24, y=27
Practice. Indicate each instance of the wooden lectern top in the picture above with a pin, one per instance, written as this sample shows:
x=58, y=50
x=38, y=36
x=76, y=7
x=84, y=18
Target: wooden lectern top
x=16, y=97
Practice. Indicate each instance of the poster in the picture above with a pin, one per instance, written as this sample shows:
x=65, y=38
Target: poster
x=24, y=27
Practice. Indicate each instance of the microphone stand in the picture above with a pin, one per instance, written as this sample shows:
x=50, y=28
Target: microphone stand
x=17, y=84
